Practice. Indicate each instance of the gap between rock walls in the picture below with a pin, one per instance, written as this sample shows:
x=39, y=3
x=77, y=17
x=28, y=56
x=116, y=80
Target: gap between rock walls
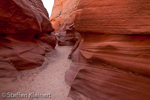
x=86, y=50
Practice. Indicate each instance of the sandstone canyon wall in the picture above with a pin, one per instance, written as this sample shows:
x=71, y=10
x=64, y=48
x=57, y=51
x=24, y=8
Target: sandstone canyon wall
x=112, y=60
x=62, y=19
x=25, y=37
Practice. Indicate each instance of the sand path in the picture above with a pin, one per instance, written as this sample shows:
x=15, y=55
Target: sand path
x=49, y=78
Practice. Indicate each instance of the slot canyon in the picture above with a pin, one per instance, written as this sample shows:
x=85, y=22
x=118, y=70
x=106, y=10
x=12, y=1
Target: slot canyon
x=85, y=50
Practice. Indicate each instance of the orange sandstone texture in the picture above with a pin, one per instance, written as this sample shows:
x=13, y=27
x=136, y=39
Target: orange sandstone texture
x=112, y=60
x=25, y=37
x=62, y=19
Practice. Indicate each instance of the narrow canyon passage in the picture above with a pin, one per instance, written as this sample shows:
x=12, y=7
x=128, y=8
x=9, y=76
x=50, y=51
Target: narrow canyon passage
x=48, y=78
x=108, y=42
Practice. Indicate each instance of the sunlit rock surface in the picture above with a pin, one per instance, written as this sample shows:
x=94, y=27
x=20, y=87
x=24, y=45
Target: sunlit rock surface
x=25, y=37
x=112, y=60
x=62, y=19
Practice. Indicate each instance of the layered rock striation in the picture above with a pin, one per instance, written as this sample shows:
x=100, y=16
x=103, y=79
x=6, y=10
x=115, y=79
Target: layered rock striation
x=25, y=37
x=62, y=19
x=112, y=59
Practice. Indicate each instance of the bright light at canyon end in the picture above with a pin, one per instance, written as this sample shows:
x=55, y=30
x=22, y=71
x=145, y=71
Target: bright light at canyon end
x=48, y=5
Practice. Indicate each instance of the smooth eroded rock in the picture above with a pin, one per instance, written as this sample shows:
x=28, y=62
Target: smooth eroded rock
x=25, y=37
x=112, y=58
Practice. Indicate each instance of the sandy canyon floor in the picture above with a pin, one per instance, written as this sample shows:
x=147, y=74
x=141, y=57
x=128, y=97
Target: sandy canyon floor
x=48, y=78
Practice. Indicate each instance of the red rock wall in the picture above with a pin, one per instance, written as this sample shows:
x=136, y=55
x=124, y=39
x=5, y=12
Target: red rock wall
x=25, y=37
x=112, y=61
x=62, y=19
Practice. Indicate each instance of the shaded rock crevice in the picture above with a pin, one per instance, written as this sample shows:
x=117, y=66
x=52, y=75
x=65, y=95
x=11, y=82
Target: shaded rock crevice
x=62, y=19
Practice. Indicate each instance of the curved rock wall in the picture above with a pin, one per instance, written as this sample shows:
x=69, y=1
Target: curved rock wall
x=25, y=33
x=25, y=37
x=62, y=19
x=112, y=60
